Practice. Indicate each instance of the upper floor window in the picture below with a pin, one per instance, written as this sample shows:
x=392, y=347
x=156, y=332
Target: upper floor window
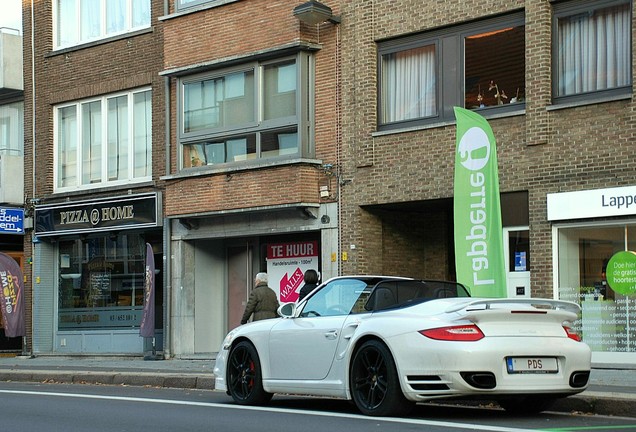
x=12, y=128
x=81, y=21
x=255, y=111
x=419, y=74
x=592, y=48
x=104, y=141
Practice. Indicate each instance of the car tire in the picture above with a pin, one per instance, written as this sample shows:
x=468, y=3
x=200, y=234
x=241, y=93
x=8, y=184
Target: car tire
x=373, y=380
x=526, y=404
x=244, y=376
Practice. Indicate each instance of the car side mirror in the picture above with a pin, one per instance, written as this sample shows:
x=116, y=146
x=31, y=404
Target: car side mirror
x=288, y=310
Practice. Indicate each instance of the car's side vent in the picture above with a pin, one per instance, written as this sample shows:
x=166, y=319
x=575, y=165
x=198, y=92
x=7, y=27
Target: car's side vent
x=426, y=383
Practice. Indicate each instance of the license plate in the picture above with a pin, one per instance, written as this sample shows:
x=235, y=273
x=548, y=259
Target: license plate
x=517, y=365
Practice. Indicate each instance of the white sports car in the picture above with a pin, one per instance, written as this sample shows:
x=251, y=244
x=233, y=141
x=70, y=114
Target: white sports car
x=389, y=342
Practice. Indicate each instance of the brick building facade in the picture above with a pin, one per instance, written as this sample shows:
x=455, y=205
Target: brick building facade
x=334, y=138
x=397, y=210
x=94, y=154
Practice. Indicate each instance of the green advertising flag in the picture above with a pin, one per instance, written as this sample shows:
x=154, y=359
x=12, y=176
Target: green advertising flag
x=479, y=257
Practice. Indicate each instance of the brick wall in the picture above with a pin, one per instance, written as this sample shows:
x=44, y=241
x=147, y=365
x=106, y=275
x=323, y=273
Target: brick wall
x=540, y=152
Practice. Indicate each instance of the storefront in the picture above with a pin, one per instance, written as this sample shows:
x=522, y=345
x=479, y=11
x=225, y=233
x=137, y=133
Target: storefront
x=589, y=228
x=216, y=256
x=89, y=271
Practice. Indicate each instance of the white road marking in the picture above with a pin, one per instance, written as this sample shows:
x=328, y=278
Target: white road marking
x=274, y=410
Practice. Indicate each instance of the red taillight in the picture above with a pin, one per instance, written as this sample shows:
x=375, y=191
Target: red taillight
x=572, y=334
x=463, y=333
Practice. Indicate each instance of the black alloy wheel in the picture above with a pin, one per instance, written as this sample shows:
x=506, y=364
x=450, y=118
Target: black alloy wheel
x=375, y=387
x=245, y=380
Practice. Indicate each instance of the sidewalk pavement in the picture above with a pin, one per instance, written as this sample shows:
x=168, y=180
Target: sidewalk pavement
x=612, y=389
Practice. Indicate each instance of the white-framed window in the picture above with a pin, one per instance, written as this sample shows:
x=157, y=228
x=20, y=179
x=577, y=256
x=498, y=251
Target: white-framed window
x=418, y=74
x=249, y=112
x=592, y=49
x=103, y=141
x=12, y=128
x=81, y=21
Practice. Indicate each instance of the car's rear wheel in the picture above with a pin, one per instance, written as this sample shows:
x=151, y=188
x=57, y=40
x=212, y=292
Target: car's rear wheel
x=244, y=375
x=526, y=404
x=375, y=387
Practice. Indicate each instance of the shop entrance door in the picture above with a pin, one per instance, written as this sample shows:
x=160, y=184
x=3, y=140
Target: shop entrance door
x=239, y=265
x=517, y=257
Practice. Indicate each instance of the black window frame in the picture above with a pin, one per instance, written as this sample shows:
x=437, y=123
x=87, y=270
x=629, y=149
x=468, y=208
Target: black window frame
x=450, y=56
x=565, y=8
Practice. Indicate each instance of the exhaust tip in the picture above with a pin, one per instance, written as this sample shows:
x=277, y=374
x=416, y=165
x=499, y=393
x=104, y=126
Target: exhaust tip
x=480, y=380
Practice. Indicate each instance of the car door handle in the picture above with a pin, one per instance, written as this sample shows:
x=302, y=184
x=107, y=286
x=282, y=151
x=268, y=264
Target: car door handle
x=333, y=334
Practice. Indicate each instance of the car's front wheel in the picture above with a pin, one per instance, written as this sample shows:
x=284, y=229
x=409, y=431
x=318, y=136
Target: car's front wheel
x=375, y=387
x=245, y=380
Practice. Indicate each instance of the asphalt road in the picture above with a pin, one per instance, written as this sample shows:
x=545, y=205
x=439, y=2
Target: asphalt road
x=96, y=408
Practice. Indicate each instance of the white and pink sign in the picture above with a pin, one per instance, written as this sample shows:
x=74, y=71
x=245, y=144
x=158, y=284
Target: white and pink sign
x=286, y=266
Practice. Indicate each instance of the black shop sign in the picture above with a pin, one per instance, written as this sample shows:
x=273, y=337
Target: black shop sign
x=131, y=211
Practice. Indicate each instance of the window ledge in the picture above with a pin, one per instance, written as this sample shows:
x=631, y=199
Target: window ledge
x=491, y=116
x=196, y=8
x=590, y=101
x=225, y=169
x=109, y=188
x=98, y=42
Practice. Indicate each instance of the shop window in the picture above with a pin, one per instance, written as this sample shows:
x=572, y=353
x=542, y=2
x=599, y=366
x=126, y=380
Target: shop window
x=583, y=254
x=257, y=111
x=419, y=74
x=592, y=49
x=104, y=141
x=101, y=282
x=78, y=21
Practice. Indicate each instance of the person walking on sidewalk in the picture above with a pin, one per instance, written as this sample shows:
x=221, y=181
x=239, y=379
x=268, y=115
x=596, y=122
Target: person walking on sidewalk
x=263, y=302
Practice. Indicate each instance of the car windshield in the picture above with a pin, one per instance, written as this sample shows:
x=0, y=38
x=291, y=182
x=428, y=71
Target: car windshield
x=337, y=297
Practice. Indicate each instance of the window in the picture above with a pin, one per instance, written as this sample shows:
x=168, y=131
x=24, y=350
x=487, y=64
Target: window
x=104, y=141
x=419, y=74
x=583, y=253
x=592, y=48
x=101, y=282
x=12, y=129
x=80, y=21
x=252, y=112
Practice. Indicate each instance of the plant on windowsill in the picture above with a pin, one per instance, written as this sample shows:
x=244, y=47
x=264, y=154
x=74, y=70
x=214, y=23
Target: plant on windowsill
x=499, y=94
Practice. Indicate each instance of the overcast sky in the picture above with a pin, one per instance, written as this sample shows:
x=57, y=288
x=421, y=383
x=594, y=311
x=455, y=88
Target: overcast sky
x=11, y=14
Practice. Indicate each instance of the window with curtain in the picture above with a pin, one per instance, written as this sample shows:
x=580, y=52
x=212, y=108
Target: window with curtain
x=81, y=21
x=418, y=74
x=111, y=136
x=246, y=113
x=592, y=43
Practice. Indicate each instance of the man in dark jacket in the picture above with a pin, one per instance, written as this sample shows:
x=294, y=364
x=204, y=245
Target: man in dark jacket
x=263, y=301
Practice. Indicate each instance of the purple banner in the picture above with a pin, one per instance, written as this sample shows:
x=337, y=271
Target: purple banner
x=11, y=297
x=147, y=327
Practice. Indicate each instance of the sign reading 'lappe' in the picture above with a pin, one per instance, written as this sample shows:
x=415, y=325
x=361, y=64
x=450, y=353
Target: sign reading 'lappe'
x=126, y=212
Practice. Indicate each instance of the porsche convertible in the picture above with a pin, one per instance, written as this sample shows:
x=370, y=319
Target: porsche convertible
x=389, y=342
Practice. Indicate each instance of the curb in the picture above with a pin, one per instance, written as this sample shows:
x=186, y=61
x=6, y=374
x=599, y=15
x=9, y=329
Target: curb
x=142, y=379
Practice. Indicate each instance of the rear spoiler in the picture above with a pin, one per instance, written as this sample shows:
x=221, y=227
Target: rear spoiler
x=539, y=303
